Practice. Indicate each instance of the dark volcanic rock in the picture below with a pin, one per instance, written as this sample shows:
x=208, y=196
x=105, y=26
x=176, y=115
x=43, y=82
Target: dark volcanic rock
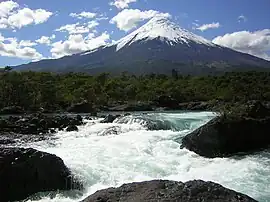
x=37, y=124
x=167, y=101
x=257, y=110
x=82, y=107
x=5, y=141
x=24, y=172
x=11, y=110
x=196, y=106
x=159, y=190
x=109, y=118
x=136, y=106
x=227, y=135
x=72, y=128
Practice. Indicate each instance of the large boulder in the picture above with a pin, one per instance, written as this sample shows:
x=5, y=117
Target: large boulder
x=227, y=135
x=11, y=110
x=82, y=107
x=24, y=172
x=257, y=109
x=72, y=128
x=161, y=190
x=109, y=118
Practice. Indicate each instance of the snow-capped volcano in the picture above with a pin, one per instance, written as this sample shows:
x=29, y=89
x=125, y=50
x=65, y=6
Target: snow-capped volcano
x=164, y=29
x=157, y=47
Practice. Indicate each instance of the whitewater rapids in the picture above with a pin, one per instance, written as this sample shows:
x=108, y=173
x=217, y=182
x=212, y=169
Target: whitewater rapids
x=104, y=155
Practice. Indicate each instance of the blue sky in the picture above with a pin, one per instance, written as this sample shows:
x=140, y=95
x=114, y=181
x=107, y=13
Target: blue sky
x=31, y=30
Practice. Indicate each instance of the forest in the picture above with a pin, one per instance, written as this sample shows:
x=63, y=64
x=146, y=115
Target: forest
x=33, y=90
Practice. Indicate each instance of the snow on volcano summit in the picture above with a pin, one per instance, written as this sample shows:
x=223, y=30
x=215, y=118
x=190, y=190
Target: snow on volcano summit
x=164, y=29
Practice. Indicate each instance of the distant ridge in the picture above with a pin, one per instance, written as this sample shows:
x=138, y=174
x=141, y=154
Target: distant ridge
x=157, y=47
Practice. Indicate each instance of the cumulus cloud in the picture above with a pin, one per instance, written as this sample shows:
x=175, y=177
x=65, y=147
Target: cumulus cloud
x=25, y=43
x=77, y=43
x=10, y=47
x=13, y=17
x=255, y=43
x=121, y=4
x=45, y=40
x=83, y=15
x=78, y=28
x=205, y=27
x=129, y=18
x=242, y=18
x=73, y=29
x=6, y=7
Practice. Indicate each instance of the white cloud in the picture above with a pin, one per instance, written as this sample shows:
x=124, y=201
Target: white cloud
x=27, y=16
x=242, y=18
x=45, y=40
x=92, y=24
x=77, y=43
x=13, y=17
x=25, y=43
x=17, y=49
x=129, y=18
x=205, y=27
x=121, y=4
x=6, y=7
x=83, y=15
x=73, y=29
x=78, y=28
x=255, y=43
x=102, y=18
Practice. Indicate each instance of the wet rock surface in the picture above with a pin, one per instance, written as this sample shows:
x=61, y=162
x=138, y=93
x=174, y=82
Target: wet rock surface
x=162, y=190
x=24, y=172
x=231, y=134
x=82, y=107
x=11, y=110
x=37, y=123
x=134, y=106
x=109, y=118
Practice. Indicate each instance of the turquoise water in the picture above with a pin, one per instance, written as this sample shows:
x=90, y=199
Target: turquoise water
x=143, y=147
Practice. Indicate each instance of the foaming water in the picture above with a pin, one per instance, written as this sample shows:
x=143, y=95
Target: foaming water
x=105, y=155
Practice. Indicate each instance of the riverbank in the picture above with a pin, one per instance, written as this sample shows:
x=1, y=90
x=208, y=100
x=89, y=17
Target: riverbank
x=164, y=104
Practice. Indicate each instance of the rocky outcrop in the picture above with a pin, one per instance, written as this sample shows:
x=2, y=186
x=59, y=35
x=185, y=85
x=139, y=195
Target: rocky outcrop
x=195, y=106
x=11, y=110
x=72, y=128
x=24, y=172
x=82, y=107
x=228, y=135
x=161, y=190
x=167, y=101
x=135, y=106
x=6, y=141
x=37, y=123
x=109, y=118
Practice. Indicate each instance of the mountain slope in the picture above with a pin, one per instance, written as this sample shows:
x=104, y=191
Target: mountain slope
x=157, y=47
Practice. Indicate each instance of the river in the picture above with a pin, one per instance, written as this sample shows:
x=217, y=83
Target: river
x=110, y=154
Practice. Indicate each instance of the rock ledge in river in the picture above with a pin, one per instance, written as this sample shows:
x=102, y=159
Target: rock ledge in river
x=225, y=136
x=162, y=190
x=37, y=123
x=11, y=110
x=24, y=172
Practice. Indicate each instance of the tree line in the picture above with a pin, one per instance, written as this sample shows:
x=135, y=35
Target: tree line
x=33, y=90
